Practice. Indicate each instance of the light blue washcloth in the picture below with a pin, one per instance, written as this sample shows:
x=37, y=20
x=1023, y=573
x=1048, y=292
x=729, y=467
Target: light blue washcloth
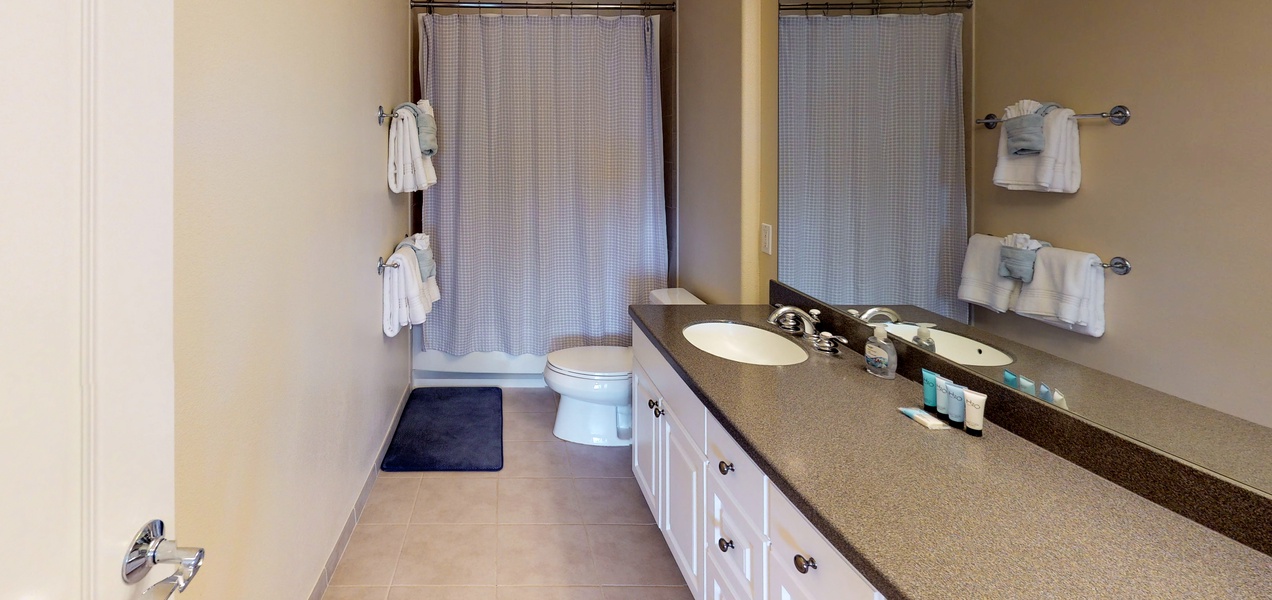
x=1017, y=263
x=424, y=256
x=1024, y=133
x=425, y=125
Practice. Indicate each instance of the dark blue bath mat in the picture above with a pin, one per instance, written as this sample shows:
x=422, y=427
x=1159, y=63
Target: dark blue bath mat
x=449, y=429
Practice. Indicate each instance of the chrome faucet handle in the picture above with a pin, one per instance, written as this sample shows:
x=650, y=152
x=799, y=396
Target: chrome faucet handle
x=815, y=314
x=828, y=342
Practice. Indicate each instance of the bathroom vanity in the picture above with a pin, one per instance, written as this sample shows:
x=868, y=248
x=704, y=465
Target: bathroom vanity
x=804, y=481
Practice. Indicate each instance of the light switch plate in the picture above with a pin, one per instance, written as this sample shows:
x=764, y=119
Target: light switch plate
x=766, y=238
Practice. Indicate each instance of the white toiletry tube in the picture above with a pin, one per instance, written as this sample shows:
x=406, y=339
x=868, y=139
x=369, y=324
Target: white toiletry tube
x=923, y=418
x=942, y=398
x=975, y=416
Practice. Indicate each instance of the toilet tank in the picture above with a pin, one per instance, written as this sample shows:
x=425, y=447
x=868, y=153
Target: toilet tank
x=673, y=296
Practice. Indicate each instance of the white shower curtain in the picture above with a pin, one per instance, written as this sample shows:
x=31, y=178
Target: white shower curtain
x=873, y=201
x=548, y=217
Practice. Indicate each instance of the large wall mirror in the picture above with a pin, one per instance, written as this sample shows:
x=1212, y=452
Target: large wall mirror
x=884, y=174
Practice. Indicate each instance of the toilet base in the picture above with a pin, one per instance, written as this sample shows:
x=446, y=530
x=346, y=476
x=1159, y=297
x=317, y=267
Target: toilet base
x=593, y=424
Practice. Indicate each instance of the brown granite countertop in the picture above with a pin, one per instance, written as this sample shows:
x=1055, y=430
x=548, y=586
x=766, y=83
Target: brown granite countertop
x=1230, y=446
x=940, y=514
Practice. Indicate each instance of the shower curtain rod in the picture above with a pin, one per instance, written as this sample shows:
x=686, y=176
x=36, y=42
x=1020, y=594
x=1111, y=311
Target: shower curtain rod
x=671, y=6
x=863, y=5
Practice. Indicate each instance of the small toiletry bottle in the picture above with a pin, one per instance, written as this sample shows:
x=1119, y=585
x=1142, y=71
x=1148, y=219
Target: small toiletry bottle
x=929, y=391
x=924, y=338
x=1044, y=392
x=957, y=404
x=881, y=355
x=943, y=398
x=1010, y=379
x=1027, y=386
x=1057, y=399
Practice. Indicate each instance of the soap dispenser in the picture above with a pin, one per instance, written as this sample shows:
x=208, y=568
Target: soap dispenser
x=881, y=355
x=924, y=338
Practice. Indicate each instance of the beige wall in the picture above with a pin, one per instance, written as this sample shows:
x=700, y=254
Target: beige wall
x=1182, y=190
x=728, y=146
x=285, y=384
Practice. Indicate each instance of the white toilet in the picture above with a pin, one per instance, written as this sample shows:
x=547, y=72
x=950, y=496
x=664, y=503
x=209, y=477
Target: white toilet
x=595, y=384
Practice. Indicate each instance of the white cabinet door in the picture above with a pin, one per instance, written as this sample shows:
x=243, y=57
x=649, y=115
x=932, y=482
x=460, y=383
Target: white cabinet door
x=645, y=446
x=682, y=500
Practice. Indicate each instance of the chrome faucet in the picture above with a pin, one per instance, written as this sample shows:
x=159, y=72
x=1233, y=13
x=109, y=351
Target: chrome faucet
x=789, y=314
x=892, y=315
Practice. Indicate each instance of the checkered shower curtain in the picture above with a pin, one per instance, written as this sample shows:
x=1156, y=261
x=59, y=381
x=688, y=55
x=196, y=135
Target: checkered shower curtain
x=548, y=217
x=873, y=200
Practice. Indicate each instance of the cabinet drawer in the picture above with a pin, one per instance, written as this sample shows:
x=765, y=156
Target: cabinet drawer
x=719, y=586
x=676, y=395
x=735, y=544
x=792, y=535
x=737, y=473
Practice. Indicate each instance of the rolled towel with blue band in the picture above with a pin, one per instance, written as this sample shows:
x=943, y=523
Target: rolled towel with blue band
x=1017, y=263
x=425, y=125
x=1024, y=133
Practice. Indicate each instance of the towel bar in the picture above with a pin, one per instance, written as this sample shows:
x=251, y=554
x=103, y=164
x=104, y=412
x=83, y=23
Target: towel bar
x=1120, y=265
x=379, y=268
x=1118, y=115
x=381, y=115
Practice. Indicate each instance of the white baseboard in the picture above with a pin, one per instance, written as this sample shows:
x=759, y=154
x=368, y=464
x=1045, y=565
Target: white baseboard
x=333, y=559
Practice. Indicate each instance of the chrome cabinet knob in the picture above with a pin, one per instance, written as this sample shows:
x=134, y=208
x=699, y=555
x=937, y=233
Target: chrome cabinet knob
x=150, y=548
x=725, y=467
x=804, y=564
x=658, y=412
x=725, y=544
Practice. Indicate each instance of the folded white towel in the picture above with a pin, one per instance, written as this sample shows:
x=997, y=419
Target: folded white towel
x=409, y=169
x=412, y=288
x=392, y=315
x=1057, y=169
x=430, y=174
x=430, y=293
x=1021, y=241
x=981, y=284
x=1067, y=291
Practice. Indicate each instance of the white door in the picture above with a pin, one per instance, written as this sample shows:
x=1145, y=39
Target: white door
x=86, y=367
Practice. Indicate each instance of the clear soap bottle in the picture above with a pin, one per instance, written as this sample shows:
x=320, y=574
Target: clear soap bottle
x=881, y=355
x=924, y=338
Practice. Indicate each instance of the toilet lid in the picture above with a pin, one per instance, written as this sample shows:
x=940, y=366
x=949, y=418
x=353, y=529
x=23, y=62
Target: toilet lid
x=593, y=361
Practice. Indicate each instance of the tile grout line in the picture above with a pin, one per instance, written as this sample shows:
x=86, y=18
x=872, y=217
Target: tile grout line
x=405, y=531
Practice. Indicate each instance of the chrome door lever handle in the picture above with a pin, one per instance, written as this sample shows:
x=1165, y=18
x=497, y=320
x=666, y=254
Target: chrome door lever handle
x=150, y=548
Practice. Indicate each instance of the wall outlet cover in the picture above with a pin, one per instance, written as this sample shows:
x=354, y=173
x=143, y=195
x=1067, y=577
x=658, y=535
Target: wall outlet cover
x=766, y=238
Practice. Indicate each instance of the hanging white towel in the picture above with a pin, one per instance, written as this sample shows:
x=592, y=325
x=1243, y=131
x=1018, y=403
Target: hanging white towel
x=392, y=315
x=1058, y=168
x=1067, y=291
x=981, y=284
x=430, y=292
x=409, y=170
x=412, y=287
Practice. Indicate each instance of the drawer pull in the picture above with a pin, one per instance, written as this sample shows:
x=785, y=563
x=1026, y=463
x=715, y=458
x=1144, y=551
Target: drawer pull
x=804, y=564
x=725, y=545
x=652, y=403
x=725, y=467
x=658, y=412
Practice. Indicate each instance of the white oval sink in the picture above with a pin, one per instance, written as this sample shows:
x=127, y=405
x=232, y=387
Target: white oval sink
x=962, y=350
x=745, y=344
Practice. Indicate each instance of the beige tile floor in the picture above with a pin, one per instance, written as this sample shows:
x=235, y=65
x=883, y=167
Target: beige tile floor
x=562, y=521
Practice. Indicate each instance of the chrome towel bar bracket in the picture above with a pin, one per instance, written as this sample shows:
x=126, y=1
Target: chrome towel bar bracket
x=1118, y=115
x=381, y=266
x=381, y=115
x=1120, y=265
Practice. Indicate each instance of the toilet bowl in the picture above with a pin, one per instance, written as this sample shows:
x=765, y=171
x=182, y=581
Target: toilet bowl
x=595, y=384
